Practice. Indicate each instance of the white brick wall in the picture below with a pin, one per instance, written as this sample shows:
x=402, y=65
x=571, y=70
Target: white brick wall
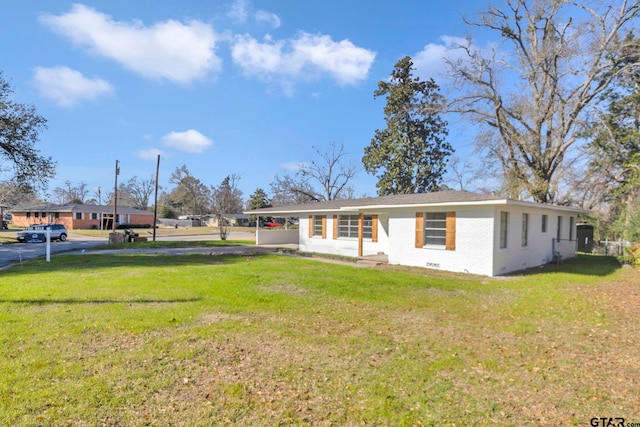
x=342, y=246
x=474, y=237
x=477, y=240
x=539, y=249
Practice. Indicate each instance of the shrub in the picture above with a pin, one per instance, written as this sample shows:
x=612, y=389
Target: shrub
x=124, y=226
x=632, y=255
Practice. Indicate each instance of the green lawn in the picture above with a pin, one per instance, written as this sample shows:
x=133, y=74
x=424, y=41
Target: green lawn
x=271, y=339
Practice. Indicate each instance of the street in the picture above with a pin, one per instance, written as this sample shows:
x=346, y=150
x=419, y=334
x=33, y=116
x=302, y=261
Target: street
x=15, y=253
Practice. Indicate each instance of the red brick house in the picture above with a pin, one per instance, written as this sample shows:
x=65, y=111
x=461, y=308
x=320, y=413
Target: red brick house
x=79, y=216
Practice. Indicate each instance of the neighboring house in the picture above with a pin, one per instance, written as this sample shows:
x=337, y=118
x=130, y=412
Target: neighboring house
x=448, y=230
x=233, y=220
x=79, y=216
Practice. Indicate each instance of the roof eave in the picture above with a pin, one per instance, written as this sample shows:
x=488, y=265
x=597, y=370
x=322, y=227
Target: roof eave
x=364, y=208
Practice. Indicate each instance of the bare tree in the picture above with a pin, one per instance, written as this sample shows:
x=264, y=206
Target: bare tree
x=560, y=56
x=140, y=191
x=331, y=171
x=12, y=194
x=71, y=193
x=225, y=199
x=292, y=190
x=460, y=172
x=325, y=178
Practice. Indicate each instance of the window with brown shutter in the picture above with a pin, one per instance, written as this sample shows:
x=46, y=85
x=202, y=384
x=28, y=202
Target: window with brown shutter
x=436, y=229
x=349, y=226
x=318, y=226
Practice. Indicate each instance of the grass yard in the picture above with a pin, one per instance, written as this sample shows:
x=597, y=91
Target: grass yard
x=266, y=340
x=176, y=244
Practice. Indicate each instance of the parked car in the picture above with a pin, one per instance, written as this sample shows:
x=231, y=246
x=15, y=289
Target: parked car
x=58, y=231
x=273, y=224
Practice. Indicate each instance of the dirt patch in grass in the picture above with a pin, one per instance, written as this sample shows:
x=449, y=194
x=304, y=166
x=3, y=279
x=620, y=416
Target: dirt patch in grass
x=284, y=288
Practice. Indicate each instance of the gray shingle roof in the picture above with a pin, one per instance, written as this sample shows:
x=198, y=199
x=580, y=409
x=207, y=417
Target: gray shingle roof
x=71, y=207
x=451, y=197
x=448, y=196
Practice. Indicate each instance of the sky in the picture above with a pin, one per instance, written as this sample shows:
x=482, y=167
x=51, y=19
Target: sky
x=252, y=88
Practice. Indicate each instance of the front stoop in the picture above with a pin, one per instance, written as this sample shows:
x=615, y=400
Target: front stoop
x=373, y=260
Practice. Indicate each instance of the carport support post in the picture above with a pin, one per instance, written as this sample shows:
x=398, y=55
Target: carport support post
x=48, y=233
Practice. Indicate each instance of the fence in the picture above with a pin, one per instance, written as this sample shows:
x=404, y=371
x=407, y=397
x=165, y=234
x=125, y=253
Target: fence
x=167, y=222
x=613, y=248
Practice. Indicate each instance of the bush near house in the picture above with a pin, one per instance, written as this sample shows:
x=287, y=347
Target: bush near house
x=632, y=255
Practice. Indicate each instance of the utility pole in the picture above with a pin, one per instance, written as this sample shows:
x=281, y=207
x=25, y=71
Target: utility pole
x=115, y=199
x=101, y=210
x=155, y=202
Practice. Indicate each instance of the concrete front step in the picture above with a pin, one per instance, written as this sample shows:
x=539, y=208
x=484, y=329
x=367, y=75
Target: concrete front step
x=373, y=260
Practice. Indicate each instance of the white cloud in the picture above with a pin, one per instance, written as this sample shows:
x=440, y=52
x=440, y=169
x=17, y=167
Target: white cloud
x=304, y=57
x=190, y=141
x=67, y=87
x=431, y=60
x=238, y=11
x=149, y=154
x=270, y=18
x=171, y=50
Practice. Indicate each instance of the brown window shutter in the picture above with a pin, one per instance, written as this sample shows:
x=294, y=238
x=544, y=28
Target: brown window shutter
x=419, y=229
x=335, y=226
x=310, y=225
x=374, y=228
x=324, y=226
x=450, y=242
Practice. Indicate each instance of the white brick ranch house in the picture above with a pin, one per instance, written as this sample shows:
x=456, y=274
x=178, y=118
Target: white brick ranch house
x=447, y=230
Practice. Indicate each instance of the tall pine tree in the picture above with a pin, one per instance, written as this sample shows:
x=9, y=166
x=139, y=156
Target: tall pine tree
x=410, y=154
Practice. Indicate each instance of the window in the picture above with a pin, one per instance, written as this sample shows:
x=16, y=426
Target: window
x=57, y=215
x=559, y=230
x=504, y=224
x=525, y=229
x=348, y=226
x=317, y=226
x=545, y=220
x=572, y=225
x=435, y=228
x=94, y=215
x=28, y=214
x=78, y=215
x=36, y=214
x=367, y=227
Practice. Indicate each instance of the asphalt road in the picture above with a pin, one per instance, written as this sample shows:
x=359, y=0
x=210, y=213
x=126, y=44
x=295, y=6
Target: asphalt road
x=15, y=253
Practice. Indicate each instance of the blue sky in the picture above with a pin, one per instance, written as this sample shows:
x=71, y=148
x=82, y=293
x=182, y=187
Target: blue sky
x=244, y=87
